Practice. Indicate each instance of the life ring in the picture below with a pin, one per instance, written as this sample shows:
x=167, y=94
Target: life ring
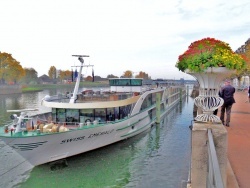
x=87, y=120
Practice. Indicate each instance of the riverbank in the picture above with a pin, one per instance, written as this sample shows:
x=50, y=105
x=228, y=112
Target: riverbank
x=12, y=89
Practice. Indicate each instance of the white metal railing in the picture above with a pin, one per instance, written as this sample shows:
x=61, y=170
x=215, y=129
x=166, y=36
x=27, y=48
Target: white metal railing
x=214, y=178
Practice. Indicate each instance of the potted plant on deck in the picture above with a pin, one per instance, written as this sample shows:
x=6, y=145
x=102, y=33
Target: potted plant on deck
x=210, y=61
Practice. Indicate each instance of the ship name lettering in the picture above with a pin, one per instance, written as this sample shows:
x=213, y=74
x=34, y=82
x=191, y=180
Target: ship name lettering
x=72, y=139
x=100, y=133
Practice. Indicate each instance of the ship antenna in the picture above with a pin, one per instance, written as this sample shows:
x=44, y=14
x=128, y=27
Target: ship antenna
x=80, y=58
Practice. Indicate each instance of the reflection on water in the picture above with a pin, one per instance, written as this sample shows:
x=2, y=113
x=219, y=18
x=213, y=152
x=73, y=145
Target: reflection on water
x=158, y=157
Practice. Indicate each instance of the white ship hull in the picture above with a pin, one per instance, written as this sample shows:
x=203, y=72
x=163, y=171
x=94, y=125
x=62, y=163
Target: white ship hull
x=46, y=148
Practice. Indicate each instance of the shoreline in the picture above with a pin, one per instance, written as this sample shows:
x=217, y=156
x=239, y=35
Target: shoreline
x=15, y=89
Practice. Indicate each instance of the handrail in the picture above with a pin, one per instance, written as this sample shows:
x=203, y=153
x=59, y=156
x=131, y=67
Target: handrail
x=214, y=178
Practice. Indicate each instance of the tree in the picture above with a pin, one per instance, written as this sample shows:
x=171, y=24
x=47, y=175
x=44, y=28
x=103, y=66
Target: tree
x=244, y=50
x=10, y=69
x=30, y=76
x=127, y=74
x=89, y=78
x=15, y=72
x=65, y=75
x=52, y=72
x=143, y=75
x=112, y=76
x=4, y=58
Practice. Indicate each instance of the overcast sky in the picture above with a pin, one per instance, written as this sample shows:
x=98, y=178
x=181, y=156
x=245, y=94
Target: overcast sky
x=118, y=35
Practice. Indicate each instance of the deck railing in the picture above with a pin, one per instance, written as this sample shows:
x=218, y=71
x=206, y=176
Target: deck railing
x=214, y=178
x=90, y=97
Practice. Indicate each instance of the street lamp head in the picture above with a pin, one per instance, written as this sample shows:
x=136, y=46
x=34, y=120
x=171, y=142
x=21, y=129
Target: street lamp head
x=81, y=59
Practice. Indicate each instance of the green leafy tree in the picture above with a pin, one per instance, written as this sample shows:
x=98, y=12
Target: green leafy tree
x=30, y=76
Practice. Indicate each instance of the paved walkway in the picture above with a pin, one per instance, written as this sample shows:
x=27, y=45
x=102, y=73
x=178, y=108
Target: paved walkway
x=239, y=142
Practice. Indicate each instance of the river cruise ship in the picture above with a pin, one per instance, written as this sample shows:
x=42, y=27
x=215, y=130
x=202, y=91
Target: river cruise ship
x=86, y=120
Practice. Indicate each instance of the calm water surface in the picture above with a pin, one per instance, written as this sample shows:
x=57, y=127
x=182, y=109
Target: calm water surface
x=156, y=158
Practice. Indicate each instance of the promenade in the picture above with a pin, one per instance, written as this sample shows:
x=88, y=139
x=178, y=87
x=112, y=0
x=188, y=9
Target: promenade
x=239, y=142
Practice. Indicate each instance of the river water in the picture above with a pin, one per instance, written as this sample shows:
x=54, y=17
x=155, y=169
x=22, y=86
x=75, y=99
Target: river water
x=159, y=157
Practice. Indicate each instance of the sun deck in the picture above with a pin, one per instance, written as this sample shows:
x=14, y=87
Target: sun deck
x=91, y=97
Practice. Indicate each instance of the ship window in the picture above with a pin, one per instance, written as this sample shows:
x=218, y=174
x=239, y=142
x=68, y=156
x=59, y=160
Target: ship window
x=152, y=113
x=153, y=98
x=60, y=115
x=72, y=115
x=162, y=107
x=117, y=113
x=136, y=82
x=100, y=114
x=110, y=114
x=86, y=115
x=125, y=82
x=54, y=114
x=147, y=102
x=124, y=111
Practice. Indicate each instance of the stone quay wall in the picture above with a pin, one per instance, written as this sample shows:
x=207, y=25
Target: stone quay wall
x=10, y=89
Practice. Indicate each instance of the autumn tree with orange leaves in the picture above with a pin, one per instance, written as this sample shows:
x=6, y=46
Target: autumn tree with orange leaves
x=10, y=69
x=65, y=75
x=143, y=75
x=127, y=74
x=244, y=50
x=89, y=78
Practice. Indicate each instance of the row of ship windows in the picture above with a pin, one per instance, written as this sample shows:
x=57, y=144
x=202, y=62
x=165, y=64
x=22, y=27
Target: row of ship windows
x=82, y=115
